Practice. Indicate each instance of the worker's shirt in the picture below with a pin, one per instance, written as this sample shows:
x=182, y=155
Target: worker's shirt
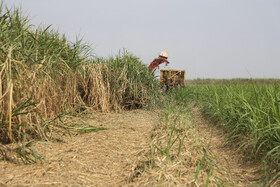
x=156, y=62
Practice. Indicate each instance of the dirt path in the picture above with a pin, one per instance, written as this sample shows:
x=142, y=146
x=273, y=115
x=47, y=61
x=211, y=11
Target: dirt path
x=103, y=158
x=107, y=158
x=236, y=171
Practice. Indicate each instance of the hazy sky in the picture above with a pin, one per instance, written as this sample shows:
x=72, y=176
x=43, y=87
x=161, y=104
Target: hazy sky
x=207, y=38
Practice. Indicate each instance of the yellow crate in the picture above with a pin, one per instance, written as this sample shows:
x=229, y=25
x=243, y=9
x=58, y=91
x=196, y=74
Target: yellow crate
x=172, y=78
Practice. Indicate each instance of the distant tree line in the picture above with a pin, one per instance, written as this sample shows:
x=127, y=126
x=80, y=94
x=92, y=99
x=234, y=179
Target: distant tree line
x=233, y=81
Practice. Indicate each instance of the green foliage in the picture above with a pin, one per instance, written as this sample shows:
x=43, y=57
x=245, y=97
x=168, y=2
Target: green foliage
x=249, y=113
x=38, y=46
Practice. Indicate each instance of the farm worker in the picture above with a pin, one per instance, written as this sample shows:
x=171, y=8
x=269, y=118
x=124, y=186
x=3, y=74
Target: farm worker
x=163, y=56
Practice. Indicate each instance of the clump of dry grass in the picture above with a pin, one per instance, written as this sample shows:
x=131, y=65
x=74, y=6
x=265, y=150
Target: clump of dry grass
x=33, y=101
x=176, y=156
x=119, y=83
x=179, y=155
x=37, y=78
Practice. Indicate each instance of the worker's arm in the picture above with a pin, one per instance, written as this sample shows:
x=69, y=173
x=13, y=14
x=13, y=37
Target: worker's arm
x=157, y=62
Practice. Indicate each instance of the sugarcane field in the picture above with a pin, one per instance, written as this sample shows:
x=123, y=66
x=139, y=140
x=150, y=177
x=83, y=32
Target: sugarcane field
x=164, y=105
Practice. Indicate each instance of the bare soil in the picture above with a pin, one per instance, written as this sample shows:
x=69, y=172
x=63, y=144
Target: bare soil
x=109, y=157
x=102, y=158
